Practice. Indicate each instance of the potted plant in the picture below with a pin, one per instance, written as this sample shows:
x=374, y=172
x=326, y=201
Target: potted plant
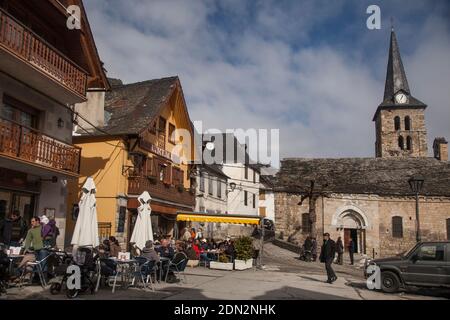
x=222, y=264
x=244, y=253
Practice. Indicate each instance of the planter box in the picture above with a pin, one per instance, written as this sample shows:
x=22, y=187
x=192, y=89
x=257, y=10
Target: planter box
x=243, y=264
x=221, y=265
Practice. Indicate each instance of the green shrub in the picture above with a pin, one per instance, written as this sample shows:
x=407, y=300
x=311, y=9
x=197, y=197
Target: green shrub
x=244, y=248
x=223, y=258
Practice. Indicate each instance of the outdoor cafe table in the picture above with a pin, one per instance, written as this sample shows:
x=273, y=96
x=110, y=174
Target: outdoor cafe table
x=126, y=269
x=215, y=252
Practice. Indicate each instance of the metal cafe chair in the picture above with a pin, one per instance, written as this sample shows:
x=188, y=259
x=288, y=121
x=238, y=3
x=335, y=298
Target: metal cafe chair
x=178, y=268
x=37, y=267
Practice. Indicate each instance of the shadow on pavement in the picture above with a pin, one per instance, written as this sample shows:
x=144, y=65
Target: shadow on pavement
x=427, y=292
x=290, y=293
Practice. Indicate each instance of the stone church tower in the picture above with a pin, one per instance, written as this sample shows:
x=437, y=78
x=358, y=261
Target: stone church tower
x=400, y=118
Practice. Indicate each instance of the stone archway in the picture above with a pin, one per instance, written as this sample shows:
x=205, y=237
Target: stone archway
x=352, y=222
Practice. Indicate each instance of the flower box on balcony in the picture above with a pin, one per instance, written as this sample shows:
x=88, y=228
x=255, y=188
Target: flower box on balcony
x=152, y=180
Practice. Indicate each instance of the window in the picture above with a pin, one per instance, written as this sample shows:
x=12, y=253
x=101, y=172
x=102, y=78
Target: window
x=407, y=123
x=219, y=189
x=254, y=201
x=19, y=112
x=210, y=185
x=162, y=125
x=401, y=143
x=165, y=173
x=161, y=169
x=172, y=133
x=245, y=198
x=448, y=229
x=431, y=252
x=262, y=212
x=262, y=195
x=202, y=182
x=397, y=227
x=408, y=143
x=246, y=172
x=306, y=223
x=397, y=123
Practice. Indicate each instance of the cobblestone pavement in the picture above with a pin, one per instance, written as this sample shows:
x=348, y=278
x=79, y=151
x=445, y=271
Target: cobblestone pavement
x=283, y=277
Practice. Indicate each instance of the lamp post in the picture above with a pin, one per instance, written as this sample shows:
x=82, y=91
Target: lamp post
x=416, y=184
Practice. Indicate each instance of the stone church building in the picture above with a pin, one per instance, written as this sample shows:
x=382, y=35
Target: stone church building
x=370, y=199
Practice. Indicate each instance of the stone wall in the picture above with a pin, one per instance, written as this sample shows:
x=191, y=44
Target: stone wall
x=370, y=213
x=388, y=137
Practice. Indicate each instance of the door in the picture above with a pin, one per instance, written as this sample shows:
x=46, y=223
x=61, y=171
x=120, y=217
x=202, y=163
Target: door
x=5, y=203
x=428, y=265
x=25, y=204
x=350, y=234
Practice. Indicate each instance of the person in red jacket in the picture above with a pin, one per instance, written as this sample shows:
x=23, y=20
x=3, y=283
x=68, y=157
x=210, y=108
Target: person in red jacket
x=197, y=248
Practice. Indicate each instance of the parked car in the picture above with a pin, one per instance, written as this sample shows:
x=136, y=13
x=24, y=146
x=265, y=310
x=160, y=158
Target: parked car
x=427, y=264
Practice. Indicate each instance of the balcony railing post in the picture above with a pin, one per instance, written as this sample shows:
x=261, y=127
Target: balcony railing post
x=19, y=148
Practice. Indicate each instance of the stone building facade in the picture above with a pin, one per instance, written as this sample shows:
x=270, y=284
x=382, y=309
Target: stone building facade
x=369, y=199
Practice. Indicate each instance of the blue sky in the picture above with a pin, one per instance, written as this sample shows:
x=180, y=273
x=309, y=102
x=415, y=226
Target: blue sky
x=309, y=68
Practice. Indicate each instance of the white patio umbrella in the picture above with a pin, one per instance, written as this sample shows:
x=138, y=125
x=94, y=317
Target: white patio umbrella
x=142, y=231
x=86, y=228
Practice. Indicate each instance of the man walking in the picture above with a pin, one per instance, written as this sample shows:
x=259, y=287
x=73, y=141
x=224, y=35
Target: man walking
x=351, y=250
x=327, y=254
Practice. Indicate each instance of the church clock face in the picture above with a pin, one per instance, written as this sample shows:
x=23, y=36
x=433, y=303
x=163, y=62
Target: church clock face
x=401, y=98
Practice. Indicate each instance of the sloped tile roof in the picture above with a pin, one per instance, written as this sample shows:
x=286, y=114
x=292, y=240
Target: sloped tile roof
x=377, y=176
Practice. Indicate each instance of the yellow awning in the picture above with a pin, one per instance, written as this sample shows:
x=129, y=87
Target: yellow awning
x=218, y=219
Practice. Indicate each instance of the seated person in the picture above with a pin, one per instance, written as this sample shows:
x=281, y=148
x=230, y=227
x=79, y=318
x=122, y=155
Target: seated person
x=197, y=248
x=114, y=247
x=165, y=250
x=179, y=256
x=229, y=250
x=204, y=256
x=149, y=252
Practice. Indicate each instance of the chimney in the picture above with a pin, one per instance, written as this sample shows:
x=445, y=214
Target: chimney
x=440, y=148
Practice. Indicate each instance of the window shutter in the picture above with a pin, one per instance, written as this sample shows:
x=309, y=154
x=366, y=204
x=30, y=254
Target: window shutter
x=151, y=167
x=168, y=174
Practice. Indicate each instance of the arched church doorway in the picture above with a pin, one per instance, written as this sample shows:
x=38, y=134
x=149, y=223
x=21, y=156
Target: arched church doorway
x=352, y=225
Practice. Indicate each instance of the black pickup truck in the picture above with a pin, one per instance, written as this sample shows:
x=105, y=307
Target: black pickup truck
x=427, y=264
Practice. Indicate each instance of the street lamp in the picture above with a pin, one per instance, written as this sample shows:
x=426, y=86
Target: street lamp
x=416, y=184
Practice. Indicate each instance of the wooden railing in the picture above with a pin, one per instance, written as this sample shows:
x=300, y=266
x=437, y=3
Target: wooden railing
x=31, y=146
x=24, y=43
x=137, y=185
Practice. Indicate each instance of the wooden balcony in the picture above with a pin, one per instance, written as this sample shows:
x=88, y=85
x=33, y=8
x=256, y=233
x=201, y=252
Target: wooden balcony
x=30, y=146
x=24, y=44
x=157, y=189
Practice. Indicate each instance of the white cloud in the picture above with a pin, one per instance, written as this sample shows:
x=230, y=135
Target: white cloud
x=321, y=97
